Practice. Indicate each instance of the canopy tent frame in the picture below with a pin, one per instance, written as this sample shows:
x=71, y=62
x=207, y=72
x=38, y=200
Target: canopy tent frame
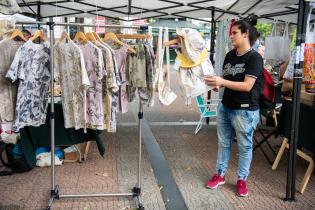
x=301, y=11
x=161, y=12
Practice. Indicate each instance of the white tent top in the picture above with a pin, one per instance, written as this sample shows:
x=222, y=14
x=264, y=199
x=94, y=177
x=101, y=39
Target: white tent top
x=285, y=10
x=16, y=17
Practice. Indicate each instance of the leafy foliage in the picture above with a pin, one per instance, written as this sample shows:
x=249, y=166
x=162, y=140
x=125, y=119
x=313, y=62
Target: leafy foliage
x=264, y=29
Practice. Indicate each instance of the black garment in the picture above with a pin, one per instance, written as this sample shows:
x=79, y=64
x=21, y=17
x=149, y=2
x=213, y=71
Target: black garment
x=34, y=137
x=235, y=68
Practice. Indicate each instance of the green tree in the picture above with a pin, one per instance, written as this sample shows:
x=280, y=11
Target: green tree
x=264, y=29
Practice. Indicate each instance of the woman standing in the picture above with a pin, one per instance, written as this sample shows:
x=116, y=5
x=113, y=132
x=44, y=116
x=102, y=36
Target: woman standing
x=239, y=111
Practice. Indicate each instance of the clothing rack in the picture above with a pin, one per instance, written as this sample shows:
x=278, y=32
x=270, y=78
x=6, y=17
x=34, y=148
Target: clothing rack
x=54, y=193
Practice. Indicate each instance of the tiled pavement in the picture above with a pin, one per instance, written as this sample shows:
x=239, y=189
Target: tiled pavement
x=192, y=159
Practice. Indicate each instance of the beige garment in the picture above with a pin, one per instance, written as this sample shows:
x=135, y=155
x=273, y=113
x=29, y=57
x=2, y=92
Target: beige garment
x=5, y=26
x=71, y=72
x=162, y=82
x=109, y=85
x=8, y=48
x=136, y=67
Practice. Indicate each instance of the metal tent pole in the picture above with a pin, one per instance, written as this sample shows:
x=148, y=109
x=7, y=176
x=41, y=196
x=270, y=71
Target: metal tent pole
x=137, y=189
x=297, y=81
x=212, y=38
x=54, y=188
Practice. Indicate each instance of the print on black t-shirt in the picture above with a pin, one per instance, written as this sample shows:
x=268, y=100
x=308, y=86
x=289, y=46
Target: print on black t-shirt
x=235, y=68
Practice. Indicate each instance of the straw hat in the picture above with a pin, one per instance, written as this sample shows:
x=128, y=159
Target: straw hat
x=193, y=47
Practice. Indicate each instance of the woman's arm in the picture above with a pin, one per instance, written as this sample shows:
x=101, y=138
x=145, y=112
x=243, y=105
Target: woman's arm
x=245, y=86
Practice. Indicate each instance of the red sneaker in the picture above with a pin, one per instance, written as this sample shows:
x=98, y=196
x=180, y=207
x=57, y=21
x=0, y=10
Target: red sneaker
x=215, y=181
x=241, y=189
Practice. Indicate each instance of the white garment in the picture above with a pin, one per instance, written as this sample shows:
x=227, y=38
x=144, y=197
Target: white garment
x=44, y=159
x=192, y=80
x=9, y=138
x=162, y=79
x=222, y=45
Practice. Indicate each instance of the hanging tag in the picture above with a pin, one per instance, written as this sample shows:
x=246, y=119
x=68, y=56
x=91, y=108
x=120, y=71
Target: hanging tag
x=302, y=52
x=297, y=55
x=177, y=64
x=207, y=69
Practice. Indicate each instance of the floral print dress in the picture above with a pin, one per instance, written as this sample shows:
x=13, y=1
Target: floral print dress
x=30, y=68
x=94, y=65
x=70, y=71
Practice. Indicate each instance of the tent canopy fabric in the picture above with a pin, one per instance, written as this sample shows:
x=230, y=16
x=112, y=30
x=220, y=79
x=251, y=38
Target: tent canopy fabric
x=285, y=10
x=170, y=23
x=16, y=17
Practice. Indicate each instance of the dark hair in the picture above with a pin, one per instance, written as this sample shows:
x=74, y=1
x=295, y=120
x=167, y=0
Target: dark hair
x=248, y=25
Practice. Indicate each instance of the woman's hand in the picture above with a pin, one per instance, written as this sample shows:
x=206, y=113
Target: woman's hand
x=214, y=81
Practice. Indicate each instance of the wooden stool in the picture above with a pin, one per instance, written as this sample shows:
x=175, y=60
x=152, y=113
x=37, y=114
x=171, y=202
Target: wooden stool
x=308, y=173
x=83, y=150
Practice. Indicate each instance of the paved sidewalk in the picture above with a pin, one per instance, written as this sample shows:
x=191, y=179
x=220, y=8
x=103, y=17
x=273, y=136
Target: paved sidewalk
x=193, y=158
x=116, y=172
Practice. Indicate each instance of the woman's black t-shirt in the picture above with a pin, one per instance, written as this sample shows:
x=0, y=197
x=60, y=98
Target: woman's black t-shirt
x=235, y=68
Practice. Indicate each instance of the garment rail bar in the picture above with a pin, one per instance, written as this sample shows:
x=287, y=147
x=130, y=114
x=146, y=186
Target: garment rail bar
x=136, y=191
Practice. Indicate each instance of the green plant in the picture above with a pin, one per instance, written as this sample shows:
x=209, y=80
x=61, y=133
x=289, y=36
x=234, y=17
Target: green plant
x=264, y=29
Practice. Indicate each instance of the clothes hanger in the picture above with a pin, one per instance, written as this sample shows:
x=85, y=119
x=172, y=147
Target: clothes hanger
x=98, y=37
x=79, y=36
x=171, y=42
x=90, y=36
x=133, y=36
x=65, y=35
x=17, y=33
x=111, y=36
x=38, y=35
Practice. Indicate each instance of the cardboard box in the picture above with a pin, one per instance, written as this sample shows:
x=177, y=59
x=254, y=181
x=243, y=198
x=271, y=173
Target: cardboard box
x=71, y=157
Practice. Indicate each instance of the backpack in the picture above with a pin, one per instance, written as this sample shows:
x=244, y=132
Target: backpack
x=267, y=97
x=15, y=159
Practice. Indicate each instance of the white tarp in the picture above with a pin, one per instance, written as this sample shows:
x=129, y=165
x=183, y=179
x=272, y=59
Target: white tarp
x=16, y=17
x=163, y=8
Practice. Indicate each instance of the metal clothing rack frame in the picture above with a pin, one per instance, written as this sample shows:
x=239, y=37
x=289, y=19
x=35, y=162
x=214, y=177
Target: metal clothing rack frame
x=54, y=193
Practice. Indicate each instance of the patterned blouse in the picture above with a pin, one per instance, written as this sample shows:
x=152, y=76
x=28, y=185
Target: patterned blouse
x=94, y=65
x=8, y=48
x=30, y=68
x=71, y=72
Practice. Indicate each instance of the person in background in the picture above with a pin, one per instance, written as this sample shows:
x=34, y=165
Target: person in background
x=239, y=111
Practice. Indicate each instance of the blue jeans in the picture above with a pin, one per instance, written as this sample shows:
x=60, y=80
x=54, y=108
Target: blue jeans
x=244, y=123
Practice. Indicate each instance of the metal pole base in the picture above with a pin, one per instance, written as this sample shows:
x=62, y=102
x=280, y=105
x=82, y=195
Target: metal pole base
x=137, y=195
x=289, y=200
x=54, y=194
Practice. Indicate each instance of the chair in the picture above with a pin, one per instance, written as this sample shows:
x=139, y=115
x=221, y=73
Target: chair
x=205, y=110
x=268, y=130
